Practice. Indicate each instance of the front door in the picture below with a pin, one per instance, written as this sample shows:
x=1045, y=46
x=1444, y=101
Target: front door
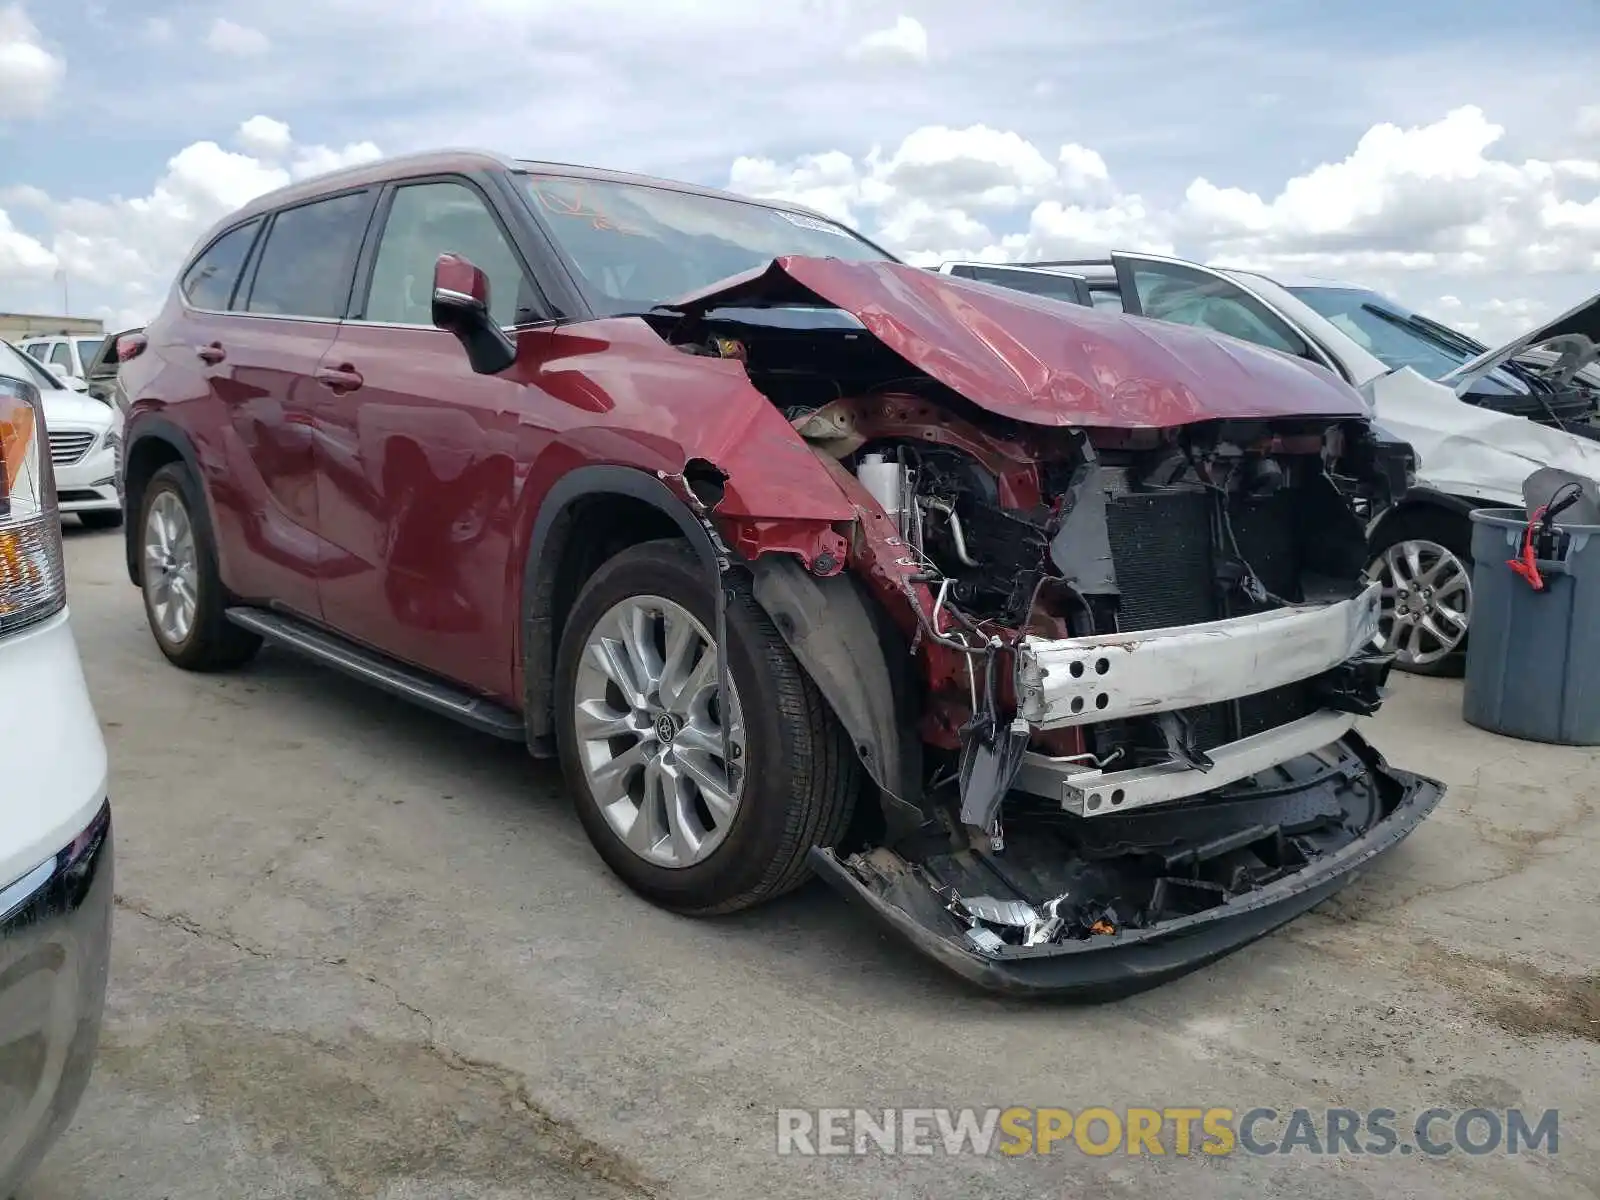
x=1188, y=294
x=417, y=455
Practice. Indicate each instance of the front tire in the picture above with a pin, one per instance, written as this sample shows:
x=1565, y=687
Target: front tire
x=184, y=600
x=1425, y=565
x=640, y=718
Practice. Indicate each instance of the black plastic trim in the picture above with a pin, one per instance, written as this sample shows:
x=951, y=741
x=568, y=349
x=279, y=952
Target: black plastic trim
x=546, y=545
x=150, y=427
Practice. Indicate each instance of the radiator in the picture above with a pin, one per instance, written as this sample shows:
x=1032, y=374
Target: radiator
x=1165, y=557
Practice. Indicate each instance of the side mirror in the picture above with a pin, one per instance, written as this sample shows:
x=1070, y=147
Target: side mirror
x=461, y=307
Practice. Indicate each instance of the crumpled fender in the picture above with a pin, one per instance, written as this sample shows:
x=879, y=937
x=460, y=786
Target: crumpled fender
x=859, y=662
x=1464, y=450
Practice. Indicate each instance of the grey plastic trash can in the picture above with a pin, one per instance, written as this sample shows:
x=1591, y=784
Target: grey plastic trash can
x=1533, y=658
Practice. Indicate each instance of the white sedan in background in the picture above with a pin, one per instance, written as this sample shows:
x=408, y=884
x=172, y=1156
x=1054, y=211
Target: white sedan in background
x=84, y=434
x=1481, y=421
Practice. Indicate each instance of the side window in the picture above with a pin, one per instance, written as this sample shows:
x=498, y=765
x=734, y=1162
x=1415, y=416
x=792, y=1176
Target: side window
x=37, y=350
x=1035, y=283
x=61, y=356
x=209, y=283
x=310, y=253
x=425, y=221
x=1183, y=295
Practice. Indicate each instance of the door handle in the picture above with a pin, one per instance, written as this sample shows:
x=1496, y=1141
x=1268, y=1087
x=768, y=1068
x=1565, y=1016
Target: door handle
x=340, y=379
x=212, y=354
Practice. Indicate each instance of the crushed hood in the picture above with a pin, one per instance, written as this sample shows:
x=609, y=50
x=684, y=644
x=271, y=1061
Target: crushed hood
x=1040, y=361
x=1574, y=328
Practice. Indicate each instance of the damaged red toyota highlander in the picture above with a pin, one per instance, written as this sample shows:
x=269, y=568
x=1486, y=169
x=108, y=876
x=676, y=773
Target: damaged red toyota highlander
x=1038, y=630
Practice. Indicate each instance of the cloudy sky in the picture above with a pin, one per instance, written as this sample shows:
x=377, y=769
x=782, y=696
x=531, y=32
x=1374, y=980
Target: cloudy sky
x=1446, y=151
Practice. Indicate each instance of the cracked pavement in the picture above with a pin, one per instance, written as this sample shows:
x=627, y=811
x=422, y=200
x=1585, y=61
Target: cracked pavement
x=363, y=953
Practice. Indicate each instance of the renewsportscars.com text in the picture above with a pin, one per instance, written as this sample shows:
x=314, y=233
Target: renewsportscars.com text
x=1173, y=1130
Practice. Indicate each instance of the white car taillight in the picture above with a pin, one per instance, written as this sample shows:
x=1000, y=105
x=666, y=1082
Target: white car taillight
x=33, y=581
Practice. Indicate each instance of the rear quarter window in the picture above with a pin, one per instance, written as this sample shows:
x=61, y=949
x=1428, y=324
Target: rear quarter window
x=209, y=282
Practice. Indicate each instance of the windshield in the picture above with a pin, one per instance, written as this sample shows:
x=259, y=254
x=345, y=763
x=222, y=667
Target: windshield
x=14, y=362
x=638, y=246
x=1388, y=331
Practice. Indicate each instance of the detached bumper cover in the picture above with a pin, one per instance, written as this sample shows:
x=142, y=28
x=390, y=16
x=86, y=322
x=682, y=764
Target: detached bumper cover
x=1079, y=681
x=55, y=946
x=1355, y=813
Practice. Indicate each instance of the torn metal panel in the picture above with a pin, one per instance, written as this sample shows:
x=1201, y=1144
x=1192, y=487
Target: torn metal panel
x=1465, y=450
x=1079, y=681
x=1086, y=792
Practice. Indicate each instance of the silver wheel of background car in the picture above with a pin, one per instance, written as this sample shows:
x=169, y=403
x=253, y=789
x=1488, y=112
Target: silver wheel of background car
x=1427, y=601
x=649, y=721
x=171, y=568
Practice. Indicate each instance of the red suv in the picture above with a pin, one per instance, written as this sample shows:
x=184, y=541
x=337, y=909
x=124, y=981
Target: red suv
x=1039, y=630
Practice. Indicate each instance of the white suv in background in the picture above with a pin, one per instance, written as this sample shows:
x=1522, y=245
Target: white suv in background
x=84, y=435
x=67, y=354
x=55, y=819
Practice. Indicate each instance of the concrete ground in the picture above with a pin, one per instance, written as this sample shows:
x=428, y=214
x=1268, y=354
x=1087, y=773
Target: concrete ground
x=363, y=953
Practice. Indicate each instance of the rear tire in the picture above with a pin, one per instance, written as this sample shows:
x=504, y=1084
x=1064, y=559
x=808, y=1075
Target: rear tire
x=793, y=787
x=184, y=600
x=1441, y=543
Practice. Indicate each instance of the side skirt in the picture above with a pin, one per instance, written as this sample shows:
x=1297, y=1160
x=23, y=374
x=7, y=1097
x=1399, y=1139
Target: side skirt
x=371, y=667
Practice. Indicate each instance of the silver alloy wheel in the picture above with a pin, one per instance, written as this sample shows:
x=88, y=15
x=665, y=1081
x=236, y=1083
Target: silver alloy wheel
x=649, y=724
x=1427, y=601
x=171, y=568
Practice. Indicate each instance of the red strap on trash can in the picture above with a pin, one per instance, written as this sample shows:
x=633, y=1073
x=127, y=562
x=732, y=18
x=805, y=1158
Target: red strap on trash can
x=1526, y=564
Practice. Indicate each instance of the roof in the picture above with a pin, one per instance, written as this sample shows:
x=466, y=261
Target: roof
x=465, y=160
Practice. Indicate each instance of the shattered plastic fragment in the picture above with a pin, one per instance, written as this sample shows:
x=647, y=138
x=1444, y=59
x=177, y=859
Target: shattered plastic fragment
x=994, y=911
x=986, y=940
x=1047, y=928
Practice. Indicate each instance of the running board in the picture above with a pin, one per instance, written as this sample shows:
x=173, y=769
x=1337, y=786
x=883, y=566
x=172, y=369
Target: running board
x=371, y=667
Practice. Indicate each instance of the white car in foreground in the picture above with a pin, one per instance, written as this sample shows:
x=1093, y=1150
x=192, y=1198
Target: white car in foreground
x=84, y=434
x=1466, y=414
x=55, y=819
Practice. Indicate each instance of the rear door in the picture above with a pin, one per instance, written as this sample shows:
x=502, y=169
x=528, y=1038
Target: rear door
x=262, y=356
x=417, y=454
x=1187, y=294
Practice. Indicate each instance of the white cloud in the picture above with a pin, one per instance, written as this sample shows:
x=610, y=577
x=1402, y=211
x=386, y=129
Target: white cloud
x=265, y=138
x=229, y=37
x=1432, y=202
x=906, y=41
x=30, y=75
x=122, y=253
x=21, y=256
x=920, y=200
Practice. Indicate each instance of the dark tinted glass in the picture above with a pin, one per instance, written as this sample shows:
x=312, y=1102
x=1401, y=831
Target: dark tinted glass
x=1035, y=283
x=209, y=283
x=309, y=257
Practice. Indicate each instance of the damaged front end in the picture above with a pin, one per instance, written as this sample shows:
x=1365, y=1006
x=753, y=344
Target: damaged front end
x=1104, y=668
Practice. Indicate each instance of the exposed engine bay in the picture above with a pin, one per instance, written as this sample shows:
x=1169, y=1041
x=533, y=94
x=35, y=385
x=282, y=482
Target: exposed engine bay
x=1064, y=592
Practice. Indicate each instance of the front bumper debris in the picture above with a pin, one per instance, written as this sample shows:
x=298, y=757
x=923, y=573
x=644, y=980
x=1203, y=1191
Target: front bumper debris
x=1085, y=680
x=55, y=950
x=1128, y=901
x=1087, y=792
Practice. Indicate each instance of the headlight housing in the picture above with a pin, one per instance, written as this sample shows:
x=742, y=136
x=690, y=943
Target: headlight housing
x=33, y=582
